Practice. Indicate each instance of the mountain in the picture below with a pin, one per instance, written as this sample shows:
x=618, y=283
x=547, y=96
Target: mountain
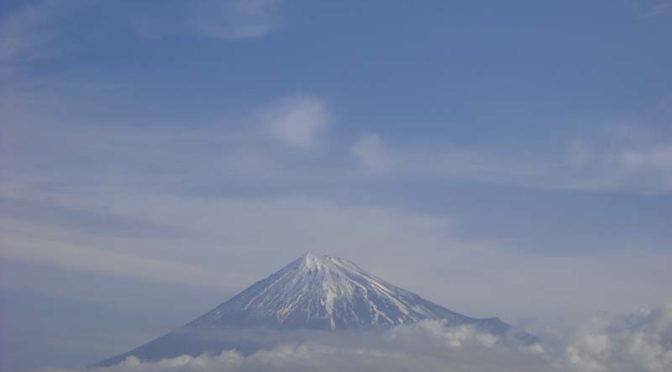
x=318, y=293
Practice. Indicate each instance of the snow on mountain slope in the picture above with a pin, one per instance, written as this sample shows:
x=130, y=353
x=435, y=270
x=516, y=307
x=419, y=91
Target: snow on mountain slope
x=327, y=293
x=311, y=293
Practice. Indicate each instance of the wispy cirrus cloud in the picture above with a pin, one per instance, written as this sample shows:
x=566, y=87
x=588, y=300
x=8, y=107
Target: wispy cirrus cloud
x=236, y=19
x=624, y=158
x=253, y=182
x=657, y=7
x=28, y=32
x=226, y=20
x=639, y=162
x=257, y=191
x=655, y=158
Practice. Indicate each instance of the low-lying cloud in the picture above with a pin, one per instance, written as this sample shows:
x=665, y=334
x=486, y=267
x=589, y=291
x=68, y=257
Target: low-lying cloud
x=634, y=343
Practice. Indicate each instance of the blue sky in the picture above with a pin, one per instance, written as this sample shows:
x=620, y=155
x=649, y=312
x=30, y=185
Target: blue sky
x=500, y=158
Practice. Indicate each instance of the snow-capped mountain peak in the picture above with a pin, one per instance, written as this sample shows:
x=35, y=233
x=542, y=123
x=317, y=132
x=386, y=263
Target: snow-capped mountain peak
x=312, y=292
x=326, y=293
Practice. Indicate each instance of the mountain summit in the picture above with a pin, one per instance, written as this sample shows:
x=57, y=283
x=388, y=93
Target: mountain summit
x=323, y=292
x=311, y=293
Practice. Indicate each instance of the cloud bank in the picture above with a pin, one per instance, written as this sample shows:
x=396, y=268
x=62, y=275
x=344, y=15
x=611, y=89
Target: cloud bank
x=640, y=342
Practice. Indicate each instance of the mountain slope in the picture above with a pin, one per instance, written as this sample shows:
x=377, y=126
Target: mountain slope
x=311, y=293
x=325, y=293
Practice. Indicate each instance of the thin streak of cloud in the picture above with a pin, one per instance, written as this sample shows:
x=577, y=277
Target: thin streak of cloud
x=379, y=238
x=656, y=158
x=638, y=163
x=28, y=32
x=236, y=19
x=32, y=246
x=657, y=7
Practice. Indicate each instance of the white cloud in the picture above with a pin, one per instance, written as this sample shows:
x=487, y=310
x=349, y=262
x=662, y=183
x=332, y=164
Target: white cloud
x=656, y=7
x=208, y=234
x=226, y=20
x=368, y=150
x=641, y=342
x=213, y=229
x=296, y=122
x=656, y=158
x=236, y=19
x=579, y=153
x=30, y=243
x=629, y=160
x=28, y=32
x=203, y=195
x=431, y=161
